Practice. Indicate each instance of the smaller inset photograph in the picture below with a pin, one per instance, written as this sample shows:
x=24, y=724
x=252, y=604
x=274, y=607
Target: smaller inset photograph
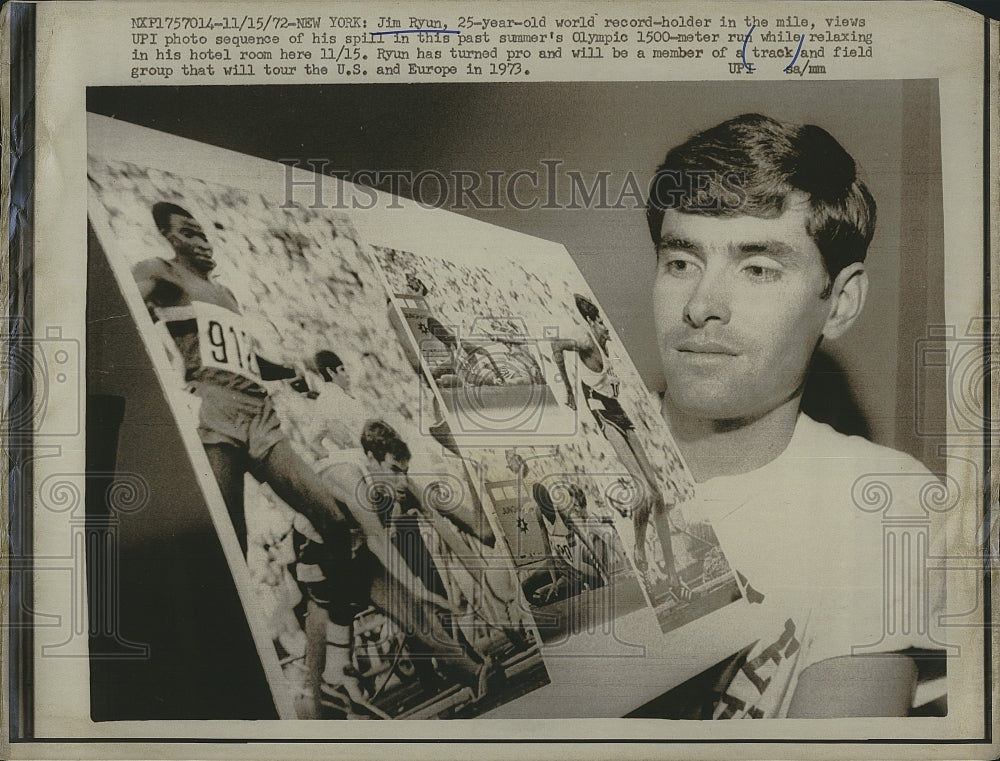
x=436, y=625
x=484, y=356
x=559, y=526
x=376, y=588
x=686, y=574
x=472, y=326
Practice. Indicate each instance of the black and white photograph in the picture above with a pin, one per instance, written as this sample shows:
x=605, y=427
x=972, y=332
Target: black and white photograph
x=541, y=341
x=764, y=339
x=489, y=369
x=425, y=380
x=567, y=516
x=373, y=566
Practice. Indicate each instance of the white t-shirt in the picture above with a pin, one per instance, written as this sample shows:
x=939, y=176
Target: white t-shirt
x=830, y=542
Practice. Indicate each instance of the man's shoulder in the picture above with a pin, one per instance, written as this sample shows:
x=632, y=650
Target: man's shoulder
x=575, y=339
x=344, y=464
x=823, y=443
x=152, y=267
x=877, y=481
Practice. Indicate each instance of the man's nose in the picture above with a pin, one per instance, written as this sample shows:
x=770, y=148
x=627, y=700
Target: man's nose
x=709, y=301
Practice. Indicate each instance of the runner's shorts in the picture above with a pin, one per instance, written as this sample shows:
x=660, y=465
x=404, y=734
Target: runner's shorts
x=243, y=420
x=335, y=576
x=608, y=411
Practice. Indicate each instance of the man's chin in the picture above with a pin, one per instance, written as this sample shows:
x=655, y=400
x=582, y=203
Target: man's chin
x=203, y=262
x=707, y=407
x=718, y=413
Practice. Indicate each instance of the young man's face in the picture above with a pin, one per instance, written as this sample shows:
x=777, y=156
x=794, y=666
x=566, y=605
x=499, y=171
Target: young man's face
x=599, y=329
x=738, y=309
x=190, y=242
x=390, y=473
x=514, y=461
x=340, y=376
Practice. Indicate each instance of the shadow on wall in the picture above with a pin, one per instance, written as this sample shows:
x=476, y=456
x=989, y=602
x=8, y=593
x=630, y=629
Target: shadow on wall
x=828, y=397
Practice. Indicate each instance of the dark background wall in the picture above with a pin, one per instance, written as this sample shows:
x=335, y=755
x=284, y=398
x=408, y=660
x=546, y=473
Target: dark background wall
x=890, y=127
x=181, y=645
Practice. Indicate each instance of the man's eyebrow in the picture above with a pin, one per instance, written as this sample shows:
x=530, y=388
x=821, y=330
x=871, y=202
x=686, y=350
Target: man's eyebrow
x=769, y=247
x=676, y=243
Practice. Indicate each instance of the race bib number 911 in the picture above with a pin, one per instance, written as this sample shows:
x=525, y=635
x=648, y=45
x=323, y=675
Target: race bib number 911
x=222, y=342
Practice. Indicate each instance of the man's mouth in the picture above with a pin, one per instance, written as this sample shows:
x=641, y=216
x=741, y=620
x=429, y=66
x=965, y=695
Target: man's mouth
x=706, y=347
x=204, y=258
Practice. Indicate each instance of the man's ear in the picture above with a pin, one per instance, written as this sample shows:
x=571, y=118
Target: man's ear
x=847, y=297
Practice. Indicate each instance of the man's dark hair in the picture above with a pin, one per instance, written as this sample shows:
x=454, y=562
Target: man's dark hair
x=380, y=439
x=748, y=166
x=522, y=469
x=163, y=210
x=327, y=363
x=416, y=285
x=543, y=498
x=544, y=501
x=588, y=309
x=578, y=495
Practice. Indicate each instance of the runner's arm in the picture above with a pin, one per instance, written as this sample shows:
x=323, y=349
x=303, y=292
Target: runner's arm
x=377, y=540
x=148, y=275
x=582, y=536
x=273, y=371
x=547, y=545
x=559, y=347
x=465, y=515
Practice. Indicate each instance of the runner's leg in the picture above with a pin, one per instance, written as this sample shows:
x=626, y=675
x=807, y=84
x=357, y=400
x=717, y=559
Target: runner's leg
x=315, y=658
x=659, y=509
x=298, y=485
x=647, y=491
x=228, y=464
x=420, y=621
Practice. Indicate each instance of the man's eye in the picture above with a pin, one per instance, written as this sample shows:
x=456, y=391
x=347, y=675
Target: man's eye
x=761, y=273
x=678, y=267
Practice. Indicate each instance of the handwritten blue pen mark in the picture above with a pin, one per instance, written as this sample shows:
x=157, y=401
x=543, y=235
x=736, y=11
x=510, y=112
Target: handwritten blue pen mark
x=797, y=51
x=415, y=31
x=744, y=53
